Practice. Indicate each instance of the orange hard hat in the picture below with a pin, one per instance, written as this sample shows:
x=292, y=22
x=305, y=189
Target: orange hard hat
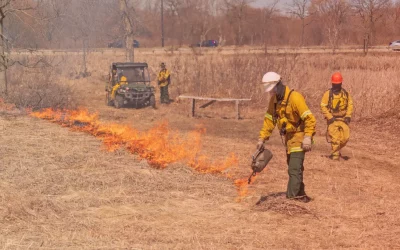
x=337, y=78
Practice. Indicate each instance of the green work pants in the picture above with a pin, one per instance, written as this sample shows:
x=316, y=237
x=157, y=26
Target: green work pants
x=295, y=185
x=164, y=96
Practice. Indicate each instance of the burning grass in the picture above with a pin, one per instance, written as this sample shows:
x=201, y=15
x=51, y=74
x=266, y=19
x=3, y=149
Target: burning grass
x=160, y=146
x=59, y=191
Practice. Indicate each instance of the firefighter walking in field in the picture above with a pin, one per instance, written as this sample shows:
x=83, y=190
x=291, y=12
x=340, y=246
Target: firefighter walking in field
x=164, y=79
x=337, y=107
x=288, y=110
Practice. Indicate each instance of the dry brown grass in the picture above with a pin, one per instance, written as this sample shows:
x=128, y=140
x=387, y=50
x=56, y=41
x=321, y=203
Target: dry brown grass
x=60, y=190
x=372, y=80
x=38, y=88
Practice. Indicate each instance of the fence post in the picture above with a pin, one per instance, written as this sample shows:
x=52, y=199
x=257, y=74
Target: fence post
x=193, y=107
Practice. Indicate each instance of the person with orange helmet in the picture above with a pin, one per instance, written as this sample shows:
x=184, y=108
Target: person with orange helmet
x=337, y=107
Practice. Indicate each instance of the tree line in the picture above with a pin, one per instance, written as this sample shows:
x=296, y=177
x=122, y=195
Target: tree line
x=59, y=24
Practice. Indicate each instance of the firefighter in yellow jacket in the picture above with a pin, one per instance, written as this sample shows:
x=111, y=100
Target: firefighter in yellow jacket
x=164, y=79
x=288, y=110
x=337, y=107
x=123, y=80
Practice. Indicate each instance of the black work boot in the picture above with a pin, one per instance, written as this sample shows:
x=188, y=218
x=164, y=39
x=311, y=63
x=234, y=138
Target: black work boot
x=303, y=198
x=334, y=157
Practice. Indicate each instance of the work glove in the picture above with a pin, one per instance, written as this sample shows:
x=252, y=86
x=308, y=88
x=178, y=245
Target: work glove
x=260, y=144
x=306, y=145
x=330, y=121
x=347, y=120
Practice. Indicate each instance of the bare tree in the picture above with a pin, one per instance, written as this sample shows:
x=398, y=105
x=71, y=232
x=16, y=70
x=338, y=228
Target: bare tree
x=95, y=23
x=128, y=25
x=187, y=19
x=52, y=27
x=206, y=18
x=268, y=13
x=333, y=14
x=16, y=9
x=397, y=10
x=236, y=12
x=396, y=16
x=370, y=11
x=300, y=9
x=81, y=22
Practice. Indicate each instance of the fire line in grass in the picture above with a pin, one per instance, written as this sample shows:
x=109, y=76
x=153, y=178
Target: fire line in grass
x=160, y=145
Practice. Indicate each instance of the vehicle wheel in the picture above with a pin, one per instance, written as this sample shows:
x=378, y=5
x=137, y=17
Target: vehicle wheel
x=152, y=101
x=118, y=102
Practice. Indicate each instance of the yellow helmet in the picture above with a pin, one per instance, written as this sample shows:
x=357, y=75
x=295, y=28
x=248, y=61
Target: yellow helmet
x=123, y=79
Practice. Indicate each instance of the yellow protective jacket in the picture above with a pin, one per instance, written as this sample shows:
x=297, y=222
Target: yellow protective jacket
x=164, y=78
x=338, y=106
x=294, y=112
x=122, y=81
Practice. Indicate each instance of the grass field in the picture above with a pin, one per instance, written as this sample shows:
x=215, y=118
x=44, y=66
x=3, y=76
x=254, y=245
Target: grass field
x=62, y=188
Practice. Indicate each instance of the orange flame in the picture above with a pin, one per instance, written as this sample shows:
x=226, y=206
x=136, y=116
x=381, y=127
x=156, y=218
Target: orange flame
x=242, y=187
x=160, y=146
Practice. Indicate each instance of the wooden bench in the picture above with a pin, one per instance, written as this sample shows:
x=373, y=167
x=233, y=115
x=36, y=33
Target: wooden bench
x=211, y=101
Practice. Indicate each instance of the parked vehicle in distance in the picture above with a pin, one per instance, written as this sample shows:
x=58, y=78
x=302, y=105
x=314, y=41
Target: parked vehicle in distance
x=395, y=45
x=120, y=44
x=136, y=91
x=208, y=43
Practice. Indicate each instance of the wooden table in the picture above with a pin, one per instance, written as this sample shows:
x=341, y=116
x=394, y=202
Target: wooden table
x=211, y=101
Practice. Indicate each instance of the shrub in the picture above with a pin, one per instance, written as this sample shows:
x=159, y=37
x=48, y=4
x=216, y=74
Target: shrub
x=38, y=88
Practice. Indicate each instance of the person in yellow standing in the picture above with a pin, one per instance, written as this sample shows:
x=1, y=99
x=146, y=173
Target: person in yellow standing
x=164, y=79
x=337, y=107
x=288, y=110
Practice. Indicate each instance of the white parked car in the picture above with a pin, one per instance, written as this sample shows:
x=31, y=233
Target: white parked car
x=395, y=45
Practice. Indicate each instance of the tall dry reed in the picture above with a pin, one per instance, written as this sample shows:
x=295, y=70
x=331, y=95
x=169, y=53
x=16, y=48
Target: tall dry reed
x=373, y=80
